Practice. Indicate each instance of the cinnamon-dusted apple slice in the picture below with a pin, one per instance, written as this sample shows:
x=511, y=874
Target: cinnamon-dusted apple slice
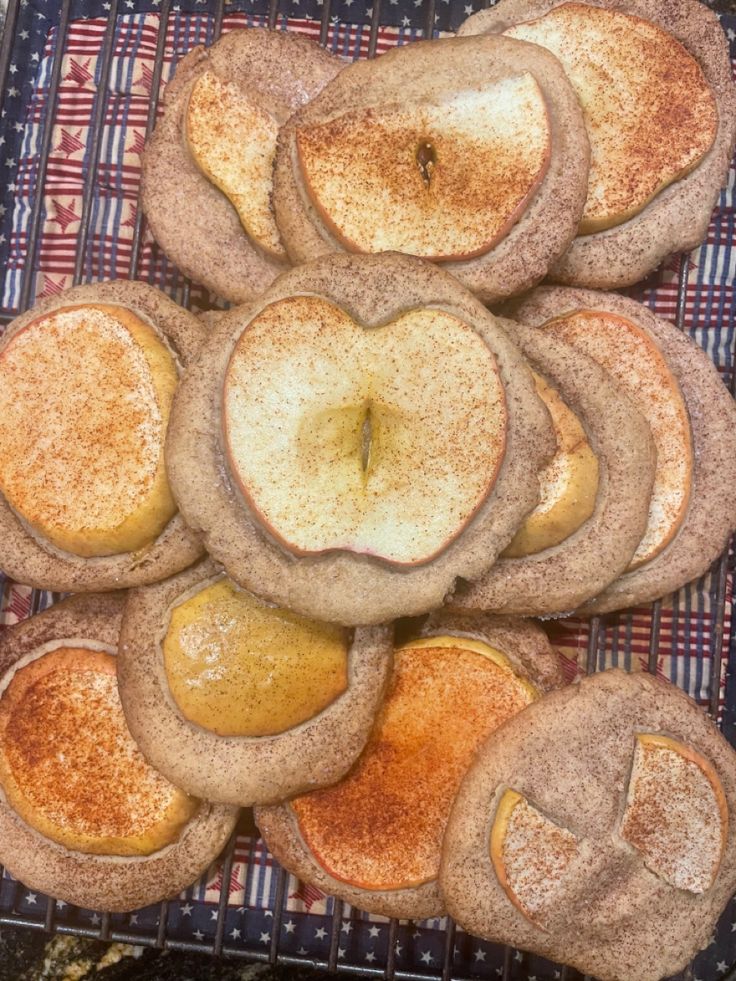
x=357, y=439
x=374, y=838
x=530, y=854
x=676, y=812
x=233, y=142
x=595, y=492
x=654, y=82
x=471, y=152
x=207, y=168
x=326, y=461
x=694, y=419
x=240, y=702
x=82, y=815
x=443, y=181
x=87, y=380
x=582, y=834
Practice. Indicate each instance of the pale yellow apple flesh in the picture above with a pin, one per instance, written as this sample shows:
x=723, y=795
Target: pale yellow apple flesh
x=568, y=485
x=530, y=854
x=650, y=114
x=69, y=766
x=85, y=396
x=633, y=359
x=676, y=812
x=383, y=441
x=233, y=142
x=382, y=826
x=443, y=181
x=240, y=668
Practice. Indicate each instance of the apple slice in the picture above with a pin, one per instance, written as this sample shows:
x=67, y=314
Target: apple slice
x=629, y=354
x=382, y=441
x=676, y=812
x=443, y=181
x=85, y=395
x=238, y=667
x=381, y=827
x=568, y=485
x=68, y=763
x=233, y=142
x=650, y=114
x=530, y=854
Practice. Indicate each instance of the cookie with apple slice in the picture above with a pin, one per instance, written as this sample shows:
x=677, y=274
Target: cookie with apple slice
x=240, y=702
x=358, y=438
x=595, y=492
x=598, y=828
x=87, y=379
x=83, y=816
x=654, y=82
x=207, y=168
x=374, y=838
x=692, y=511
x=470, y=152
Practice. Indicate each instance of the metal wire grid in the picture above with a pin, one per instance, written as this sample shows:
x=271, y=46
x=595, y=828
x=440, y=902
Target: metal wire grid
x=50, y=922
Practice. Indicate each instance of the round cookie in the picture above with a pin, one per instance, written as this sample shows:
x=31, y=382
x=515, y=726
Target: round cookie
x=588, y=836
x=31, y=558
x=341, y=585
x=194, y=222
x=112, y=882
x=394, y=826
x=710, y=514
x=677, y=218
x=422, y=77
x=241, y=769
x=561, y=577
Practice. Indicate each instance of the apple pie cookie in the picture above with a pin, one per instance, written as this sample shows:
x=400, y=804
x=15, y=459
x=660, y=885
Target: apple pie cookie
x=207, y=169
x=654, y=82
x=82, y=815
x=469, y=152
x=357, y=439
x=240, y=702
x=86, y=384
x=595, y=492
x=374, y=839
x=692, y=512
x=600, y=831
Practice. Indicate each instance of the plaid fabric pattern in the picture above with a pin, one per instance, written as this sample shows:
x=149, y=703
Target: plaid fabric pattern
x=104, y=179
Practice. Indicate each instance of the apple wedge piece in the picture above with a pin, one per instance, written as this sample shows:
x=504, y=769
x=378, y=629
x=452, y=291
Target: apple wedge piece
x=441, y=181
x=233, y=142
x=568, y=485
x=530, y=854
x=650, y=113
x=85, y=395
x=676, y=812
x=629, y=354
x=381, y=441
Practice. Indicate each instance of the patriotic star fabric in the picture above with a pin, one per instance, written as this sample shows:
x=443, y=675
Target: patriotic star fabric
x=85, y=204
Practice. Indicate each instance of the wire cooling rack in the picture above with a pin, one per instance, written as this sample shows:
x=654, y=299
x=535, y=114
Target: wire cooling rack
x=80, y=83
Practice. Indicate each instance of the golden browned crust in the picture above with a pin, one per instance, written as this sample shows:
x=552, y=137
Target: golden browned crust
x=677, y=218
x=559, y=579
x=28, y=558
x=570, y=755
x=106, y=882
x=710, y=517
x=425, y=71
x=239, y=769
x=529, y=650
x=340, y=586
x=193, y=221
